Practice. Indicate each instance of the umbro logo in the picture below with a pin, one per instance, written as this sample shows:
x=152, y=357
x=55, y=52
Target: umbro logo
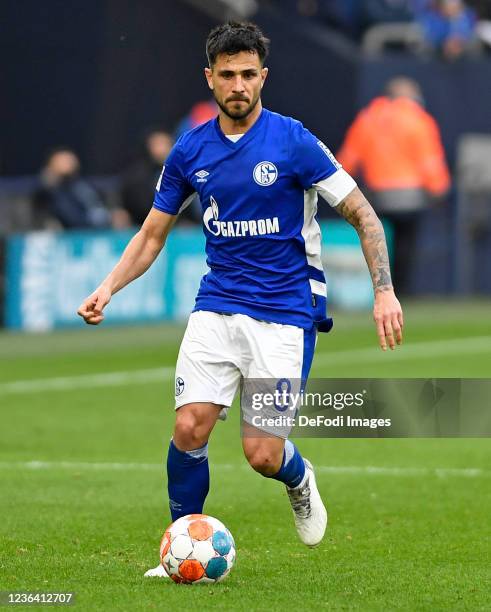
x=202, y=174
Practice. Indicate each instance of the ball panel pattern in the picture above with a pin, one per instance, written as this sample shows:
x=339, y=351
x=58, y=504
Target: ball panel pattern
x=216, y=567
x=179, y=527
x=193, y=517
x=216, y=524
x=191, y=570
x=164, y=544
x=176, y=578
x=170, y=564
x=200, y=530
x=230, y=558
x=224, y=575
x=203, y=551
x=231, y=537
x=181, y=547
x=222, y=543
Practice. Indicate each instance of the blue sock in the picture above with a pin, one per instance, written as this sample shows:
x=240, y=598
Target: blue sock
x=292, y=469
x=188, y=480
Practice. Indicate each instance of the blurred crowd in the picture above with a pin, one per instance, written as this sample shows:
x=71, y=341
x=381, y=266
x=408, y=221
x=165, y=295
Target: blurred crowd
x=450, y=27
x=66, y=199
x=63, y=198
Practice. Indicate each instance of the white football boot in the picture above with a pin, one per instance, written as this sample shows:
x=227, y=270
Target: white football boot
x=156, y=572
x=308, y=509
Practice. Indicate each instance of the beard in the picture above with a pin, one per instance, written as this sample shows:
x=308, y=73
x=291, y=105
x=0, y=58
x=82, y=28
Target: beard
x=238, y=113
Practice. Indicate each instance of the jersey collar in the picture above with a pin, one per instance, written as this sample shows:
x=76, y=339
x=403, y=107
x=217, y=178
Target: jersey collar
x=247, y=135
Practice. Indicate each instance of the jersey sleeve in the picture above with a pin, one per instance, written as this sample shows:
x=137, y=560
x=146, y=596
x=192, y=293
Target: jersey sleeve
x=173, y=190
x=316, y=167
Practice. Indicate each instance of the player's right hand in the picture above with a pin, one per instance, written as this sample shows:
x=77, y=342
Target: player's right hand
x=91, y=308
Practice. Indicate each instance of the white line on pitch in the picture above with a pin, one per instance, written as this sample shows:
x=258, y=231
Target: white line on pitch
x=106, y=379
x=370, y=470
x=419, y=350
x=458, y=346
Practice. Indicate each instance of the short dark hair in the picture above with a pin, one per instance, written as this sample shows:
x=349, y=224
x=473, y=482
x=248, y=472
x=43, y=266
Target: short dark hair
x=234, y=37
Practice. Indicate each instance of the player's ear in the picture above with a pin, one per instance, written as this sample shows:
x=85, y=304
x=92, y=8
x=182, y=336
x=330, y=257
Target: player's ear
x=208, y=74
x=264, y=74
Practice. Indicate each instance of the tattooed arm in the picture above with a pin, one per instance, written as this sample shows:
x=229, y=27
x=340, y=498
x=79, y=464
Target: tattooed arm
x=387, y=311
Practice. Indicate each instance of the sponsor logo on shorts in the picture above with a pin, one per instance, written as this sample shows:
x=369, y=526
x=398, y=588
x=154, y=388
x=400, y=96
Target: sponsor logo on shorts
x=179, y=386
x=237, y=229
x=265, y=173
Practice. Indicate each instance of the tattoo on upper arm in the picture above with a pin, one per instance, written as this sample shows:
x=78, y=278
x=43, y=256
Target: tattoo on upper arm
x=356, y=209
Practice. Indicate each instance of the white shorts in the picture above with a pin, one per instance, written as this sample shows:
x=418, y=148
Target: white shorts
x=218, y=351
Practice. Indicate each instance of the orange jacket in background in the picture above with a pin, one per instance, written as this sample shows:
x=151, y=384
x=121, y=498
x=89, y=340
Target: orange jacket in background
x=395, y=144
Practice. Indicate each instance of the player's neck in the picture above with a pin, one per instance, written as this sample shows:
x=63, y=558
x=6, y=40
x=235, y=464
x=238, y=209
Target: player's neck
x=231, y=126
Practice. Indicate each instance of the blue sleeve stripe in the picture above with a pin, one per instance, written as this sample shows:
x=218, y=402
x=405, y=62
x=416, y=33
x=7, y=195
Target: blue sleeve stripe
x=316, y=274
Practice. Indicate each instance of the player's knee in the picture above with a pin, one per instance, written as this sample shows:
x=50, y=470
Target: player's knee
x=264, y=461
x=189, y=431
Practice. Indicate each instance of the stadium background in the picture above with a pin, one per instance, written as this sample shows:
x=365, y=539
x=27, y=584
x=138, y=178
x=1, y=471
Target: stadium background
x=86, y=412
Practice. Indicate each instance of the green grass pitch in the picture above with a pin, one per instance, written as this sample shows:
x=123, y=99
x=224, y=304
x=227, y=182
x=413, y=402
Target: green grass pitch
x=85, y=422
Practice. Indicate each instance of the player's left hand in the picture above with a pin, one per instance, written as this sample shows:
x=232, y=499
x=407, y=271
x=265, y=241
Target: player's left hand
x=387, y=313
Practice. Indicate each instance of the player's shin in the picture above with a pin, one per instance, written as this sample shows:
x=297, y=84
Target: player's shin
x=188, y=480
x=292, y=470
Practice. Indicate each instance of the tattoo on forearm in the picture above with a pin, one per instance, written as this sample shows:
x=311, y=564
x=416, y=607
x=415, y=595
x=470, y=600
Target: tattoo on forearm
x=357, y=211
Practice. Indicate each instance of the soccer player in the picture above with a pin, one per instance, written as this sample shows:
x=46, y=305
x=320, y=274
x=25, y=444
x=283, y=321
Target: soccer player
x=260, y=306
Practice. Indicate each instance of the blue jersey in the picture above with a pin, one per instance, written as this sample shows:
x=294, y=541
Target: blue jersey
x=259, y=201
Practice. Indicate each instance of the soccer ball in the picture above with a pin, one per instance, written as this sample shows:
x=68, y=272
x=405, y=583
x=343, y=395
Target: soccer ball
x=197, y=548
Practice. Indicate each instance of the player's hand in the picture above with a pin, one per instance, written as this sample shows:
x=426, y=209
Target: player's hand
x=91, y=308
x=387, y=313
